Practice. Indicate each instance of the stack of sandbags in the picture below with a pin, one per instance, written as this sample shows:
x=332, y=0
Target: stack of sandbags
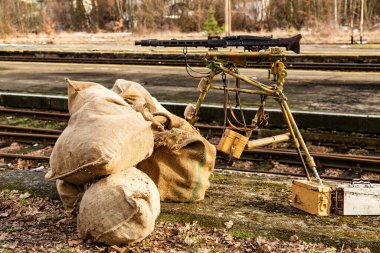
x=119, y=209
x=93, y=162
x=108, y=134
x=182, y=160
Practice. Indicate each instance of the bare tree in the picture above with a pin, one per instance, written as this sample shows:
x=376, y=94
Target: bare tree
x=185, y=15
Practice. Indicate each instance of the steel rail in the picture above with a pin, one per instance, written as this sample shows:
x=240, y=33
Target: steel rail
x=333, y=140
x=360, y=163
x=48, y=136
x=327, y=139
x=181, y=62
x=217, y=168
x=32, y=130
x=252, y=171
x=364, y=163
x=25, y=157
x=36, y=114
x=372, y=143
x=29, y=137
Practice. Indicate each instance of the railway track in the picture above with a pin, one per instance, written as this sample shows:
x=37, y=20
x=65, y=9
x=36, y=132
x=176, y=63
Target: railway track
x=29, y=134
x=250, y=171
x=352, y=162
x=341, y=141
x=43, y=115
x=316, y=138
x=180, y=61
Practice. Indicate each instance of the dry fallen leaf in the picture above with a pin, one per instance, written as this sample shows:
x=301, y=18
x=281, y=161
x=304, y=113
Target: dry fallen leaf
x=73, y=242
x=25, y=195
x=229, y=224
x=293, y=238
x=4, y=215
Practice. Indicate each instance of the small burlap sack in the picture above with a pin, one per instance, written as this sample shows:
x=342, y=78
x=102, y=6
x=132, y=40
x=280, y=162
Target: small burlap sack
x=70, y=195
x=102, y=137
x=119, y=209
x=180, y=165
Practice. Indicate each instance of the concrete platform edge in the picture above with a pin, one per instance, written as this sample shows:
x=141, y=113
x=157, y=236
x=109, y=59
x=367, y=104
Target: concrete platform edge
x=211, y=113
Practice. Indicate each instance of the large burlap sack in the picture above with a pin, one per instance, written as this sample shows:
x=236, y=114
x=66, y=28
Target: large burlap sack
x=133, y=93
x=70, y=195
x=180, y=165
x=102, y=137
x=182, y=160
x=119, y=209
x=80, y=93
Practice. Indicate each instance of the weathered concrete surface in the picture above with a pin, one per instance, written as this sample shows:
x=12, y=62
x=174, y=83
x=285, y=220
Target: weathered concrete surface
x=352, y=92
x=31, y=181
x=262, y=209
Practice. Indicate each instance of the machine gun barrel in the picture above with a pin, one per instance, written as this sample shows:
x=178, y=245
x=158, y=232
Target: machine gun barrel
x=250, y=43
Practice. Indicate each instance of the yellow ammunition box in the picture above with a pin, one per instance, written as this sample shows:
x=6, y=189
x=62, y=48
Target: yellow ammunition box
x=311, y=197
x=232, y=143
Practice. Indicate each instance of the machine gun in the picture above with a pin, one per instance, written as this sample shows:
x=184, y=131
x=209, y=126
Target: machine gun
x=249, y=43
x=225, y=63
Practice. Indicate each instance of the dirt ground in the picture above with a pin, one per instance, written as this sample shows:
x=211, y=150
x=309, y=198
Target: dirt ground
x=260, y=220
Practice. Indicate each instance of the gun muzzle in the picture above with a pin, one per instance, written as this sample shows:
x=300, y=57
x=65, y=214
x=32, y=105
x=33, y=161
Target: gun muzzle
x=137, y=42
x=292, y=43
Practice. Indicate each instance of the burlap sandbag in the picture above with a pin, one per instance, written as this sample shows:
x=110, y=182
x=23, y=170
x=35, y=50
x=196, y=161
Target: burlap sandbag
x=119, y=209
x=180, y=165
x=70, y=195
x=102, y=137
x=133, y=93
x=136, y=95
x=182, y=160
x=80, y=93
x=170, y=121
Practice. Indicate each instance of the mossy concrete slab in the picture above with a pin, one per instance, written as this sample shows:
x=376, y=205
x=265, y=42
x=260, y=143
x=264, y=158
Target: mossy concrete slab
x=259, y=205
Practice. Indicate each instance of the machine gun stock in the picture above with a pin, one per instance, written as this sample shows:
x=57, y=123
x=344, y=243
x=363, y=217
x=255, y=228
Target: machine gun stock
x=249, y=43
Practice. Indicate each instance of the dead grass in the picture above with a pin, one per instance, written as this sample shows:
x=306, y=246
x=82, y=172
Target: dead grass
x=310, y=36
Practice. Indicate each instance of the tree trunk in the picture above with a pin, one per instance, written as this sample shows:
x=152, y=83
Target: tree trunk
x=336, y=13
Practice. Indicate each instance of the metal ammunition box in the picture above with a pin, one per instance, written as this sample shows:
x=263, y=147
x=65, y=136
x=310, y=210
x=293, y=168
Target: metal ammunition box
x=232, y=143
x=358, y=198
x=311, y=197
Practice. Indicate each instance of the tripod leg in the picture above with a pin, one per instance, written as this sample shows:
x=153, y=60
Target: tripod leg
x=296, y=142
x=297, y=136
